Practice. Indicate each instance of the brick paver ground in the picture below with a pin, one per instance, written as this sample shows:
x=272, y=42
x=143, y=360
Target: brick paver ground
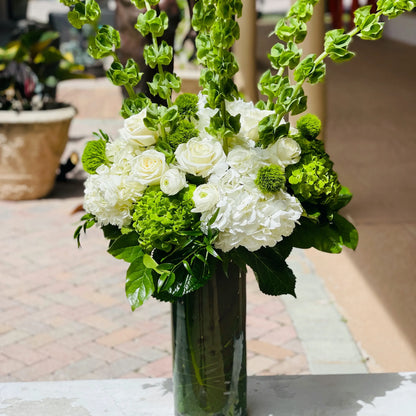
x=64, y=315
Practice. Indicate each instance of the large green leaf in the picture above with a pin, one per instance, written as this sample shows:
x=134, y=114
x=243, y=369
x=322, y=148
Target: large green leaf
x=272, y=273
x=126, y=247
x=139, y=283
x=329, y=237
x=347, y=231
x=188, y=278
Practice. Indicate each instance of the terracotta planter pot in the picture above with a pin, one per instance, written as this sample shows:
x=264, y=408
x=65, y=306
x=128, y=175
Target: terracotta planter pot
x=31, y=145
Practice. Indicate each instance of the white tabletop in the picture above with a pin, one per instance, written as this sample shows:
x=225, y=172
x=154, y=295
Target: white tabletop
x=307, y=395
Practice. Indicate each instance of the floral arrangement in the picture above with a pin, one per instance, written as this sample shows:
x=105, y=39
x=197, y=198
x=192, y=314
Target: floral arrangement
x=211, y=178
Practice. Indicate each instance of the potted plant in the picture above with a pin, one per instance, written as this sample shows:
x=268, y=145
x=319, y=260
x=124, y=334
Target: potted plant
x=33, y=126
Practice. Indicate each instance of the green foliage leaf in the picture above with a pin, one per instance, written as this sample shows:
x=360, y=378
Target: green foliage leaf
x=269, y=266
x=158, y=55
x=291, y=29
x=87, y=12
x=139, y=283
x=111, y=232
x=344, y=197
x=285, y=57
x=151, y=22
x=336, y=45
x=329, y=237
x=126, y=247
x=104, y=43
x=203, y=15
x=394, y=8
x=134, y=105
x=368, y=23
x=309, y=70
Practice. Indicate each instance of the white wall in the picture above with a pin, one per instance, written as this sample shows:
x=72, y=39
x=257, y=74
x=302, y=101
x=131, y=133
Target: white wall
x=402, y=28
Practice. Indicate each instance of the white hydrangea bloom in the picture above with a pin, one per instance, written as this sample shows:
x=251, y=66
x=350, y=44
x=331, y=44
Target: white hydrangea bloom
x=247, y=217
x=110, y=196
x=250, y=117
x=204, y=114
x=246, y=160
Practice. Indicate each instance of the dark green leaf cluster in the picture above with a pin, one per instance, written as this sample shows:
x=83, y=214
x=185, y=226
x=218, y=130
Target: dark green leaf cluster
x=88, y=220
x=183, y=131
x=270, y=178
x=187, y=105
x=269, y=265
x=328, y=235
x=161, y=220
x=166, y=276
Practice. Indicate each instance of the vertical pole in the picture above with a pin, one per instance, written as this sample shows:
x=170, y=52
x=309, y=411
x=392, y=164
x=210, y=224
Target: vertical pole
x=245, y=52
x=314, y=43
x=4, y=13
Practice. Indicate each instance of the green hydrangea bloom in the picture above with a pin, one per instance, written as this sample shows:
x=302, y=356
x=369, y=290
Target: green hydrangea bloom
x=94, y=156
x=158, y=218
x=187, y=105
x=313, y=180
x=270, y=178
x=309, y=126
x=183, y=132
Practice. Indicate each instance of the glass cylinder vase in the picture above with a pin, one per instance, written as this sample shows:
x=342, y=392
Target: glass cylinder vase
x=209, y=347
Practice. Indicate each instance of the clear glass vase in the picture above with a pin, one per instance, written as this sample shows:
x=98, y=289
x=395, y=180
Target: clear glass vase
x=209, y=347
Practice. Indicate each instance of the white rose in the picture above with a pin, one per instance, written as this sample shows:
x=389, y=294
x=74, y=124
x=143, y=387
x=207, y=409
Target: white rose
x=172, y=181
x=149, y=167
x=199, y=156
x=135, y=130
x=205, y=197
x=286, y=151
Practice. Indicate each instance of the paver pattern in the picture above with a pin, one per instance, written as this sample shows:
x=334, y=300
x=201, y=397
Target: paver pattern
x=64, y=314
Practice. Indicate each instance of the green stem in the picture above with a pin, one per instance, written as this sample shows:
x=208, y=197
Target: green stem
x=191, y=350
